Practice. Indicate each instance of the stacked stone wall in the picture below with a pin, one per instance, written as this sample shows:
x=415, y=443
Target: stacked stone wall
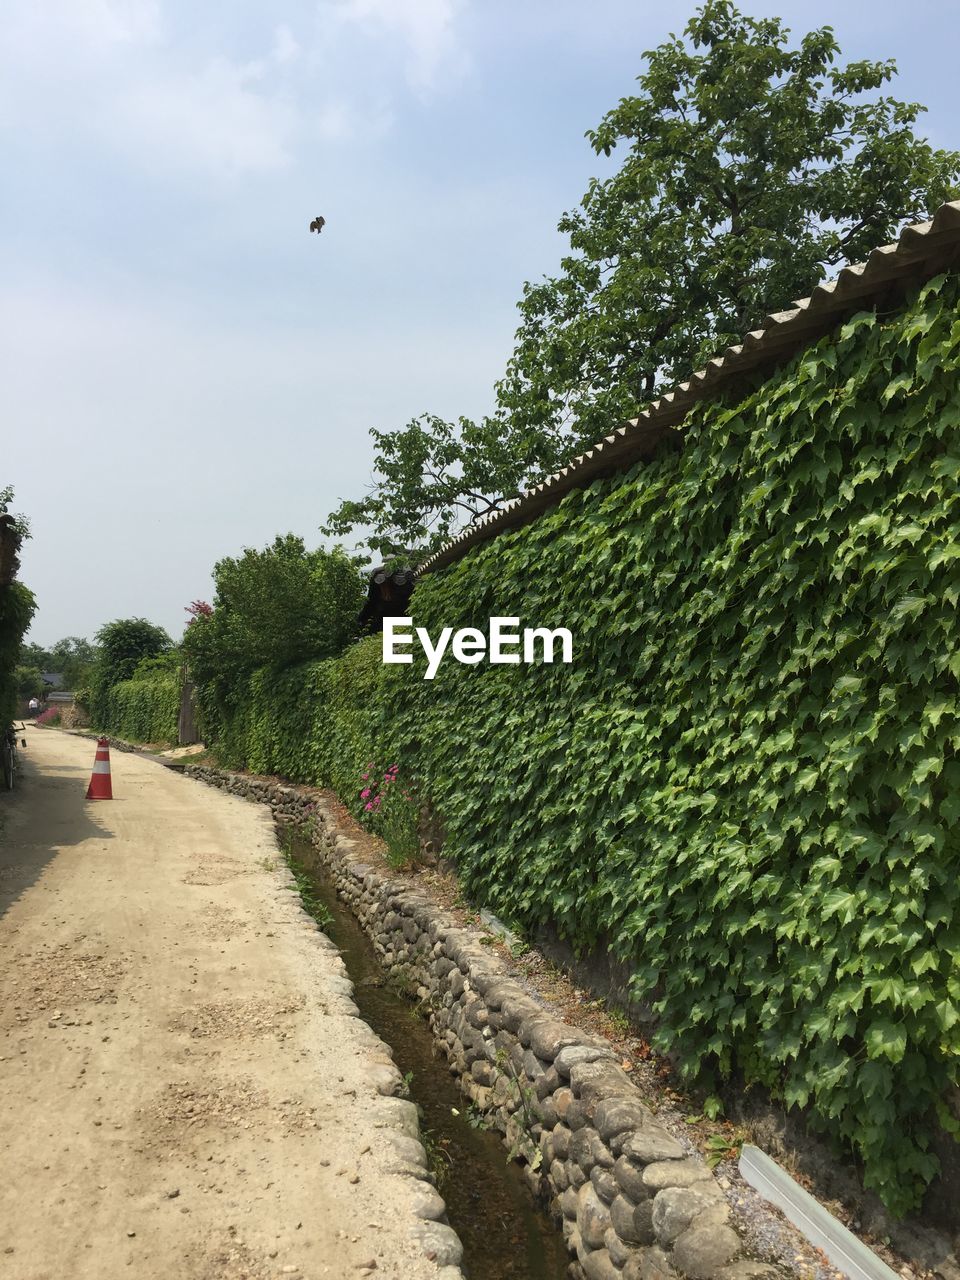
x=634, y=1203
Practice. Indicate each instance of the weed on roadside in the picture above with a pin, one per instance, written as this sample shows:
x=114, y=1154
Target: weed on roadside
x=518, y=947
x=439, y=1159
x=721, y=1146
x=312, y=904
x=476, y=1118
x=620, y=1021
x=527, y=1114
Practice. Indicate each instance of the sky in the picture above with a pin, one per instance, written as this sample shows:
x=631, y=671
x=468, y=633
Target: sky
x=185, y=370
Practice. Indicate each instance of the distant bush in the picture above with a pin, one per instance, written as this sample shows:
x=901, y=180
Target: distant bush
x=273, y=609
x=144, y=709
x=123, y=645
x=309, y=723
x=17, y=607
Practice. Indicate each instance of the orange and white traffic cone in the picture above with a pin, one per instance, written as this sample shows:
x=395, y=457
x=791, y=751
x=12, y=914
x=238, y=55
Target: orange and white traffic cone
x=100, y=788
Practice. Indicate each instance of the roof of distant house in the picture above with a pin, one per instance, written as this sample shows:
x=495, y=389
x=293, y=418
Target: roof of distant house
x=922, y=251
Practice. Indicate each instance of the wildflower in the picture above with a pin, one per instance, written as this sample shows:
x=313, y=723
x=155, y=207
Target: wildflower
x=368, y=807
x=365, y=793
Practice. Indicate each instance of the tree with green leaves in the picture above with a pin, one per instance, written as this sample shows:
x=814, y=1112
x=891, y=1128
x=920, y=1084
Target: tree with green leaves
x=272, y=608
x=752, y=166
x=72, y=657
x=122, y=646
x=17, y=603
x=432, y=477
x=34, y=655
x=14, y=529
x=28, y=682
x=18, y=522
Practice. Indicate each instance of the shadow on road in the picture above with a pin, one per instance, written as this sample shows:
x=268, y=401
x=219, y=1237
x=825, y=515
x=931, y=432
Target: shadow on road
x=43, y=816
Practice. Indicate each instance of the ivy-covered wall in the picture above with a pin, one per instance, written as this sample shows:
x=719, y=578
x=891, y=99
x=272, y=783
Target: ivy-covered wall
x=319, y=722
x=747, y=784
x=17, y=607
x=143, y=709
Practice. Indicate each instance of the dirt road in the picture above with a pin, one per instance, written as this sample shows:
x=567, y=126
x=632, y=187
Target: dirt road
x=183, y=1090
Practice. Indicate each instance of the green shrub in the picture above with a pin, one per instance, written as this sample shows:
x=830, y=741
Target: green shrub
x=144, y=709
x=123, y=645
x=389, y=809
x=17, y=607
x=28, y=682
x=311, y=723
x=747, y=784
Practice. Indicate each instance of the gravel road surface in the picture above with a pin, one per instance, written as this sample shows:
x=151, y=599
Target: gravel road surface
x=184, y=1092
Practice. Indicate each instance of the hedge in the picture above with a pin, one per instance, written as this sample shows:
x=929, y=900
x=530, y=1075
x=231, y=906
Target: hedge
x=17, y=607
x=144, y=709
x=747, y=784
x=314, y=723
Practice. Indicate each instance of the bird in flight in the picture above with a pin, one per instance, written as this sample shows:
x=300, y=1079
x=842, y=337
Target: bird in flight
x=317, y=224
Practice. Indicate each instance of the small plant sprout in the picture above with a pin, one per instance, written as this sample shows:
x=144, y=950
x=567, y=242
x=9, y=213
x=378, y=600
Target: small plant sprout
x=722, y=1147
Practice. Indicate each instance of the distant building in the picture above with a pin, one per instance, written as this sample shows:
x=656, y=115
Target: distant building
x=53, y=690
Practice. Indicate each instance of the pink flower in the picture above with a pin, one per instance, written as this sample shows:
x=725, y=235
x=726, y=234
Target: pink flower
x=366, y=777
x=368, y=807
x=365, y=793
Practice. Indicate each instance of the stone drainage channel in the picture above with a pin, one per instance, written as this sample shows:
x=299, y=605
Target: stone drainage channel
x=636, y=1202
x=504, y=1235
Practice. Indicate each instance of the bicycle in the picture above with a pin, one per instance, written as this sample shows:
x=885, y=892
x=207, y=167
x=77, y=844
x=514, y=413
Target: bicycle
x=8, y=756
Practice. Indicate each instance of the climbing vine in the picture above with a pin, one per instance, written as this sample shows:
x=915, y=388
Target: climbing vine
x=310, y=723
x=17, y=607
x=17, y=604
x=143, y=709
x=748, y=782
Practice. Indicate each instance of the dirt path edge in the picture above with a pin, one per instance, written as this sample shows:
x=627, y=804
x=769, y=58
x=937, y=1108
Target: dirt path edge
x=631, y=1199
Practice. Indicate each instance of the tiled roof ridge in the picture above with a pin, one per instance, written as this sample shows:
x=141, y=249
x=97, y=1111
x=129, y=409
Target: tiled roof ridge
x=930, y=245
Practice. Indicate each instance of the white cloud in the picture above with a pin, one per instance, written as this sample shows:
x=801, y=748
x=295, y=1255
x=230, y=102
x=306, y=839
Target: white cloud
x=115, y=22
x=79, y=28
x=285, y=47
x=138, y=77
x=218, y=120
x=148, y=92
x=426, y=29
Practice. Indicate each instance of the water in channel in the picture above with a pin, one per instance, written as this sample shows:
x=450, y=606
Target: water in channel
x=505, y=1235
